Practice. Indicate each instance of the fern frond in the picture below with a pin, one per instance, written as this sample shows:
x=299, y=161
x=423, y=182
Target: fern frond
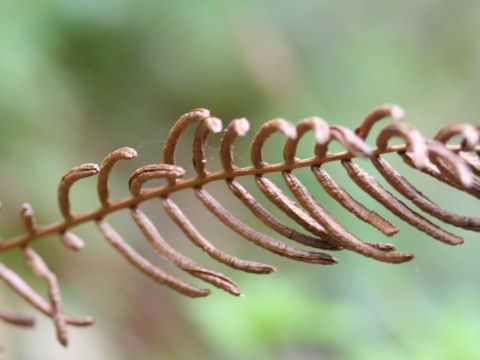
x=455, y=165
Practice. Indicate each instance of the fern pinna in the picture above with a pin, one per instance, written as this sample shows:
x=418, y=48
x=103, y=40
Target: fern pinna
x=455, y=165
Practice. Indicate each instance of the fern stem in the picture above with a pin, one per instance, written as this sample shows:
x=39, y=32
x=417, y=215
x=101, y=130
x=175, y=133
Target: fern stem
x=162, y=191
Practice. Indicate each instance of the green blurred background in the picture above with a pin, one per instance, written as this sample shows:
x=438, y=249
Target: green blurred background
x=79, y=79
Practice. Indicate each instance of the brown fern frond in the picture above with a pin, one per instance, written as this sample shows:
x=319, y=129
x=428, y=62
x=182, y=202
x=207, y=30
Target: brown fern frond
x=455, y=165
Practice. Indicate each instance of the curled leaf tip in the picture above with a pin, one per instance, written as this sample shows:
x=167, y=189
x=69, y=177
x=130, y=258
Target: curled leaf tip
x=27, y=209
x=201, y=112
x=290, y=132
x=321, y=130
x=214, y=124
x=90, y=167
x=241, y=126
x=127, y=153
x=397, y=112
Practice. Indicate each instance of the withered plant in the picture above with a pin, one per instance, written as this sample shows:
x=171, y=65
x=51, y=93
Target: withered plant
x=455, y=165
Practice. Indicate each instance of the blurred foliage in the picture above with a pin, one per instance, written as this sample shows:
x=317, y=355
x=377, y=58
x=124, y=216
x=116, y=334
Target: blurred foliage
x=81, y=78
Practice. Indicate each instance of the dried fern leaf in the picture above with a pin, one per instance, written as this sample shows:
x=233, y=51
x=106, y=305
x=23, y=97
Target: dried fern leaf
x=455, y=165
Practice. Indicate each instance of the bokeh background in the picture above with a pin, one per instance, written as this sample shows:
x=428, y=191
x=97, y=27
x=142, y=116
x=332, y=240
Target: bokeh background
x=79, y=79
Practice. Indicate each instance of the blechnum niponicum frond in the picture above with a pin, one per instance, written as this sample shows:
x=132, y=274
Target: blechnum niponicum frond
x=455, y=165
